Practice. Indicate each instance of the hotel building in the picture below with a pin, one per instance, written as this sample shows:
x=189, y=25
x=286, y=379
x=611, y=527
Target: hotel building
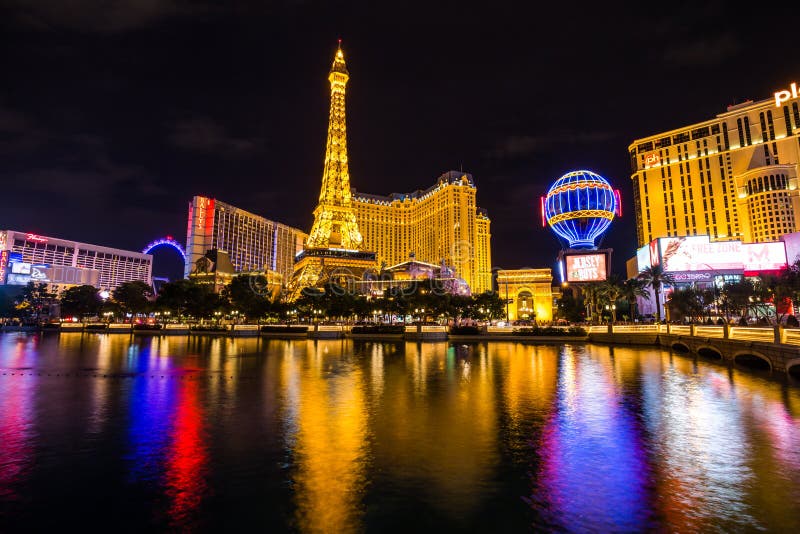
x=26, y=257
x=439, y=224
x=356, y=233
x=252, y=242
x=731, y=177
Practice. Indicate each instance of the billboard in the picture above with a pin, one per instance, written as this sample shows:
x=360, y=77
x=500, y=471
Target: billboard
x=39, y=273
x=586, y=267
x=18, y=279
x=18, y=267
x=643, y=258
x=764, y=256
x=697, y=253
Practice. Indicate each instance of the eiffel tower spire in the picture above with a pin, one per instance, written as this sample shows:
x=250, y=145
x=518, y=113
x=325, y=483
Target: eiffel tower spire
x=335, y=217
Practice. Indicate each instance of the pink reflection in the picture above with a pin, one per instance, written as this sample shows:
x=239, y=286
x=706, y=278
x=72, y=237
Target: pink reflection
x=187, y=458
x=15, y=428
x=784, y=433
x=16, y=433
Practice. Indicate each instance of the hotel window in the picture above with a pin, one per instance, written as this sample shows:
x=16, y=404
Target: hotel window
x=725, y=135
x=771, y=125
x=747, y=131
x=796, y=114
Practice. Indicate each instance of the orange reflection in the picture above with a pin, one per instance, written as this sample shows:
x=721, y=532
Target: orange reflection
x=328, y=406
x=437, y=424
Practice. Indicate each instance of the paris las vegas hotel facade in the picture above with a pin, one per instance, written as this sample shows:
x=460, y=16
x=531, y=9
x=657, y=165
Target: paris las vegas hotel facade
x=438, y=226
x=726, y=186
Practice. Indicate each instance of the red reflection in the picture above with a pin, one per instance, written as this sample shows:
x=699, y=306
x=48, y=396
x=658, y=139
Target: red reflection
x=187, y=457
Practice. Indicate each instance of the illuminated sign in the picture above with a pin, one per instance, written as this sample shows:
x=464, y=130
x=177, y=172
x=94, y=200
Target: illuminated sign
x=652, y=159
x=697, y=253
x=692, y=277
x=585, y=267
x=36, y=238
x=3, y=264
x=764, y=256
x=39, y=273
x=18, y=279
x=784, y=95
x=20, y=268
x=643, y=258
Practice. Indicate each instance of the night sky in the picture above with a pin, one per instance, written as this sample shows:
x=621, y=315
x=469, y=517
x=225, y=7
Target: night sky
x=114, y=114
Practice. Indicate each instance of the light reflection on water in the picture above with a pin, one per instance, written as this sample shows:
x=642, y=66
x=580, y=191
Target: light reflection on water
x=340, y=436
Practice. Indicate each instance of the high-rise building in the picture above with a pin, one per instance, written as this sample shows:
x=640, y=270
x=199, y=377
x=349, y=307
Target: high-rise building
x=439, y=224
x=354, y=232
x=252, y=242
x=732, y=177
x=26, y=257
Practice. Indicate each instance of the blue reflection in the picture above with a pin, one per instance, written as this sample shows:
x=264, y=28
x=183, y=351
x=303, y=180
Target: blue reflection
x=152, y=403
x=594, y=472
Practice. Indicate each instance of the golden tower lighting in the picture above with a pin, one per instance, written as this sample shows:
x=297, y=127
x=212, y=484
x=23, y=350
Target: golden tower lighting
x=332, y=251
x=335, y=217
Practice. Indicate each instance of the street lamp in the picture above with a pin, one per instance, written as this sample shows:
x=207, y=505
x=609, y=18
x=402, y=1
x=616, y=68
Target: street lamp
x=613, y=308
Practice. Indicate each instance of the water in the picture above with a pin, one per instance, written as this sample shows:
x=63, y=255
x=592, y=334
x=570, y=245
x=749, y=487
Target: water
x=106, y=432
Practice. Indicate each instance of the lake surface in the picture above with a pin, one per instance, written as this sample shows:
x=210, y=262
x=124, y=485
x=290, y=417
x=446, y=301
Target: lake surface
x=132, y=434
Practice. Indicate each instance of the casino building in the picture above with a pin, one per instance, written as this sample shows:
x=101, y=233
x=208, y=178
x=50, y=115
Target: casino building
x=731, y=177
x=435, y=224
x=252, y=243
x=26, y=257
x=355, y=234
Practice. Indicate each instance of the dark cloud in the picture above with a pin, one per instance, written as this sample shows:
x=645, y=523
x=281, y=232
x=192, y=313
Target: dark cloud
x=710, y=51
x=516, y=146
x=18, y=133
x=205, y=135
x=113, y=114
x=96, y=16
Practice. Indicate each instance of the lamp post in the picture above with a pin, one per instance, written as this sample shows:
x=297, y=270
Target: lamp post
x=507, y=315
x=613, y=309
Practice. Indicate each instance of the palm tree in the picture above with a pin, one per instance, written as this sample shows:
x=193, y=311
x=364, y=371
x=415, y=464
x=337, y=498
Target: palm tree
x=591, y=299
x=632, y=288
x=611, y=289
x=686, y=302
x=655, y=277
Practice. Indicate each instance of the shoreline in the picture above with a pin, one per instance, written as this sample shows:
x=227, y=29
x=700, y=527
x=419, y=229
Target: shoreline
x=777, y=359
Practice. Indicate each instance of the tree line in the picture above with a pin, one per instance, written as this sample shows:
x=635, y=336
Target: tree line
x=738, y=300
x=246, y=297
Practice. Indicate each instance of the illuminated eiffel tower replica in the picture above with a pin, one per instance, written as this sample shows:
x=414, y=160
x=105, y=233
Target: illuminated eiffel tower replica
x=332, y=251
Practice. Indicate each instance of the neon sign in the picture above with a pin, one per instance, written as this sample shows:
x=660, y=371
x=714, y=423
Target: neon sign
x=652, y=159
x=783, y=96
x=35, y=238
x=3, y=265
